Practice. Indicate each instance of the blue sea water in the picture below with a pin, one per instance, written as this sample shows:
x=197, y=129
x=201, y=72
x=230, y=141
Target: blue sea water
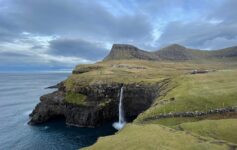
x=19, y=93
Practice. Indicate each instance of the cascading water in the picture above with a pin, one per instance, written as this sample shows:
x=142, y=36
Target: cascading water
x=119, y=125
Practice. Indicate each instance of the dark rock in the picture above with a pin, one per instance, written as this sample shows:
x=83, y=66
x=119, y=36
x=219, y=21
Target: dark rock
x=57, y=86
x=199, y=71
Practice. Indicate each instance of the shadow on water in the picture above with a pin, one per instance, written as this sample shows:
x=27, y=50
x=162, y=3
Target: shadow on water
x=63, y=136
x=79, y=137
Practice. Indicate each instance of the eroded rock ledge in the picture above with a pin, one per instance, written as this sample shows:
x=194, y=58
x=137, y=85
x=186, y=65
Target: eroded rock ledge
x=101, y=103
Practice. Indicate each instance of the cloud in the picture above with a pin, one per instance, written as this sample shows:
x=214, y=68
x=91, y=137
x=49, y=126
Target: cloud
x=39, y=58
x=226, y=12
x=87, y=19
x=214, y=30
x=198, y=34
x=17, y=56
x=78, y=48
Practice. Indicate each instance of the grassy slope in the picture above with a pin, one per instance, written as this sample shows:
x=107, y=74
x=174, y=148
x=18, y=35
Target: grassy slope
x=199, y=92
x=224, y=129
x=75, y=98
x=155, y=137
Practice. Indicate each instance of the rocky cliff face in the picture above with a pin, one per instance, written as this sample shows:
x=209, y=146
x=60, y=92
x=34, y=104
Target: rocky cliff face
x=101, y=104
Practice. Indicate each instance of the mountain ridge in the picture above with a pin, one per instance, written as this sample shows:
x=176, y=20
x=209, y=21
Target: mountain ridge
x=126, y=51
x=170, y=52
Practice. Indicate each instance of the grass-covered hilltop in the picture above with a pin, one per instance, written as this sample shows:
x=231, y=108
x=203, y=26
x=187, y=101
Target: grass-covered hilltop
x=181, y=98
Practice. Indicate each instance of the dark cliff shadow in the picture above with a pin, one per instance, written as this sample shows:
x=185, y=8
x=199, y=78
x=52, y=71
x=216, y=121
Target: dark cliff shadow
x=71, y=137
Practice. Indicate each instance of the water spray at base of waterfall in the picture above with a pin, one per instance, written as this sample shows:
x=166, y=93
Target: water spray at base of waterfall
x=120, y=124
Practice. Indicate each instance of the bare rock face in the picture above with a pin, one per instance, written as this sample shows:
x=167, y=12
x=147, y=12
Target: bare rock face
x=102, y=104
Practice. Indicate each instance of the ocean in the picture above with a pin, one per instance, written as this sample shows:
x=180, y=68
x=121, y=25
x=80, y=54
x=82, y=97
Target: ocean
x=19, y=94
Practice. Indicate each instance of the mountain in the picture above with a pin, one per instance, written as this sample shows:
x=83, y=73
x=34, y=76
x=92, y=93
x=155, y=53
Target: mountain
x=171, y=52
x=178, y=52
x=125, y=51
x=226, y=52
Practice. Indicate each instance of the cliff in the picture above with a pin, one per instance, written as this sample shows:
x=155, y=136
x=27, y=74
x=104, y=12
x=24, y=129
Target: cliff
x=92, y=105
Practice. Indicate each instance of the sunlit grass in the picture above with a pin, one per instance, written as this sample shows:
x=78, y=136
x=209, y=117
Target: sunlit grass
x=200, y=92
x=155, y=137
x=224, y=129
x=75, y=98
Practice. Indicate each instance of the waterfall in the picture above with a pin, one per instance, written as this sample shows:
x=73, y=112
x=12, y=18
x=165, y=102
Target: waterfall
x=119, y=125
x=121, y=114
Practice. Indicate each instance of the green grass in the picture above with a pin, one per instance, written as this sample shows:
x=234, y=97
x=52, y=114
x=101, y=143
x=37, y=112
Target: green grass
x=224, y=129
x=75, y=98
x=200, y=92
x=155, y=137
x=172, y=121
x=154, y=71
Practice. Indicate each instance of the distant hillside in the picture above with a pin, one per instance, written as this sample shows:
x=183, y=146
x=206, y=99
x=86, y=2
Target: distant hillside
x=171, y=52
x=125, y=51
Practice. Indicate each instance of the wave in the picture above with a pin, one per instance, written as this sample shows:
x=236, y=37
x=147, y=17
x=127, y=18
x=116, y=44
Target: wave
x=26, y=113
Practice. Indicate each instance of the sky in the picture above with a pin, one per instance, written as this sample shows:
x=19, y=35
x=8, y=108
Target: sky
x=42, y=35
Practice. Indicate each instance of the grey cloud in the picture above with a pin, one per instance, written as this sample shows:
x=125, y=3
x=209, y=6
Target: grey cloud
x=8, y=31
x=77, y=48
x=15, y=62
x=226, y=12
x=87, y=19
x=204, y=33
x=198, y=34
x=8, y=58
x=28, y=60
x=169, y=10
x=74, y=19
x=37, y=47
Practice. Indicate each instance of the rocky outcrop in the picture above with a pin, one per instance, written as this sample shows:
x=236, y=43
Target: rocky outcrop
x=199, y=71
x=55, y=86
x=101, y=103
